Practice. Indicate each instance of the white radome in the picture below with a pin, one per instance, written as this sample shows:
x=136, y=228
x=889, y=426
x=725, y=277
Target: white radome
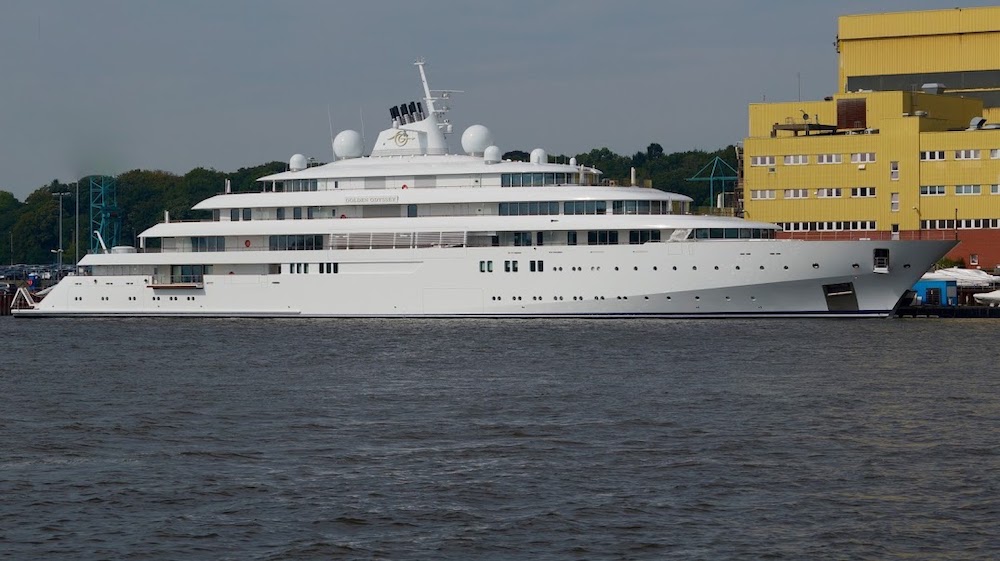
x=475, y=139
x=538, y=156
x=492, y=154
x=348, y=144
x=297, y=162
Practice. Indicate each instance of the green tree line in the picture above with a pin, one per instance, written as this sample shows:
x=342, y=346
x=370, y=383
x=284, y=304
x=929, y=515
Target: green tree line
x=32, y=226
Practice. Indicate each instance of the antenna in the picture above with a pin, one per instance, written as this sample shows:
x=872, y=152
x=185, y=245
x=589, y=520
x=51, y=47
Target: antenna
x=361, y=110
x=330, y=119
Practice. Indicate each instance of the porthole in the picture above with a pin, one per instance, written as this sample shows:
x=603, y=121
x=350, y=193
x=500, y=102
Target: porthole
x=786, y=267
x=906, y=266
x=815, y=266
x=616, y=268
x=761, y=267
x=654, y=267
x=635, y=268
x=646, y=297
x=855, y=265
x=694, y=268
x=675, y=267
x=669, y=298
x=753, y=298
x=716, y=267
x=697, y=297
x=737, y=267
x=728, y=299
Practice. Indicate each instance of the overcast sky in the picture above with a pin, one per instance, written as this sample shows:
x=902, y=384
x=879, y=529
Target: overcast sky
x=107, y=86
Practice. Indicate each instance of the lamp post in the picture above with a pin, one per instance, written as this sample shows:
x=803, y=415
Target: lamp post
x=59, y=252
x=76, y=231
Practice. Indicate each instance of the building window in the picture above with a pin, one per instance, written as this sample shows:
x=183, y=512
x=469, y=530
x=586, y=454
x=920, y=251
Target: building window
x=894, y=171
x=995, y=154
x=973, y=259
x=863, y=158
x=830, y=159
x=796, y=160
x=931, y=190
x=757, y=161
x=931, y=155
x=863, y=192
x=764, y=194
x=796, y=193
x=894, y=202
x=966, y=154
x=968, y=190
x=829, y=192
x=995, y=189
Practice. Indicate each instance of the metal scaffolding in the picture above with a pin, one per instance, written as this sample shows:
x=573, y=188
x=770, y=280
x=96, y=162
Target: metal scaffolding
x=104, y=218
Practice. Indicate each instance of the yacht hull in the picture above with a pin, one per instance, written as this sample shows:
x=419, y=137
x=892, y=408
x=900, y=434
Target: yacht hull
x=684, y=279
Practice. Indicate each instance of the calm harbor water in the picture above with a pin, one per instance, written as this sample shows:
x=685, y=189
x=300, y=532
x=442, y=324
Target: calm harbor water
x=410, y=439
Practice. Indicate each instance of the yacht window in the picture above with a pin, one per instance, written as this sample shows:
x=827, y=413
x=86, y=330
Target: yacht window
x=234, y=214
x=411, y=211
x=279, y=213
x=297, y=213
x=539, y=238
x=216, y=215
x=522, y=238
x=602, y=237
x=550, y=178
x=246, y=214
x=571, y=238
x=208, y=243
x=311, y=212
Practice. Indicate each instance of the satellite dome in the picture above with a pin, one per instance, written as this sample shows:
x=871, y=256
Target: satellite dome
x=475, y=139
x=297, y=162
x=348, y=144
x=492, y=154
x=538, y=156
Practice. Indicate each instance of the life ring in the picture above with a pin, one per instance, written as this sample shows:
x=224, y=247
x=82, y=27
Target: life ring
x=404, y=186
x=246, y=243
x=343, y=216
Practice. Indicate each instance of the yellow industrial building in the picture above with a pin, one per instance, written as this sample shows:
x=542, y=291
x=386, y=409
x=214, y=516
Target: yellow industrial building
x=909, y=148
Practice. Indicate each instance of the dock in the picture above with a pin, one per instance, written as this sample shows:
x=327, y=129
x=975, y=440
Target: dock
x=949, y=311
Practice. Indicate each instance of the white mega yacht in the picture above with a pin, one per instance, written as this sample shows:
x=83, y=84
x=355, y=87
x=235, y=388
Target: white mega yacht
x=411, y=230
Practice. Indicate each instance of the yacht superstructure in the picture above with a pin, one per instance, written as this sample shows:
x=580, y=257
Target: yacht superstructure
x=411, y=230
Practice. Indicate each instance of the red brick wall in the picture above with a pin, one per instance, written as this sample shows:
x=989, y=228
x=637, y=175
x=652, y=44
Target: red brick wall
x=984, y=243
